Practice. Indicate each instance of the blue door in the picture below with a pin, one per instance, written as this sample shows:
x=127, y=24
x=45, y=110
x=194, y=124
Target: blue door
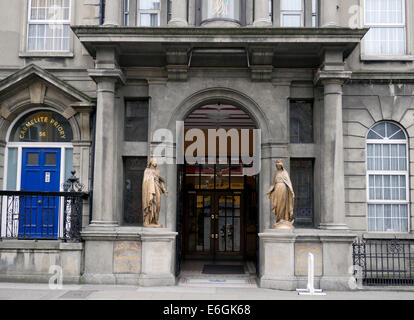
x=39, y=215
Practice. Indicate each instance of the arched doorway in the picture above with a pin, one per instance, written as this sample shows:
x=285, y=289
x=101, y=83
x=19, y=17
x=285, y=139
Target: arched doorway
x=39, y=157
x=217, y=201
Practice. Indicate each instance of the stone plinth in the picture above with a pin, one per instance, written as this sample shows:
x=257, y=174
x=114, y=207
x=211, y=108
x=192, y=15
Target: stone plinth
x=284, y=256
x=157, y=257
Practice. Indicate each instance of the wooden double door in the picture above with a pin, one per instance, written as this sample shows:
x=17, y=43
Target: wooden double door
x=214, y=223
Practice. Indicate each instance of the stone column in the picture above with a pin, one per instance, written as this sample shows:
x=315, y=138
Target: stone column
x=261, y=14
x=104, y=196
x=332, y=159
x=329, y=13
x=113, y=13
x=106, y=76
x=178, y=13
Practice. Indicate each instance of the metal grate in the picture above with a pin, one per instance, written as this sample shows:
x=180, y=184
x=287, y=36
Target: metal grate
x=384, y=262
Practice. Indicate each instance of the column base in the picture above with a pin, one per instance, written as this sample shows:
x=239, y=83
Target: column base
x=333, y=226
x=177, y=23
x=262, y=23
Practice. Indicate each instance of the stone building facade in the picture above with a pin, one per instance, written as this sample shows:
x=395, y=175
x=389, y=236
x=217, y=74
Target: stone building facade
x=328, y=83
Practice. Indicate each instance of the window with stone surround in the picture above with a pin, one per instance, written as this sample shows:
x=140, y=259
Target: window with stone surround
x=136, y=120
x=387, y=34
x=134, y=168
x=301, y=121
x=301, y=174
x=49, y=26
x=387, y=179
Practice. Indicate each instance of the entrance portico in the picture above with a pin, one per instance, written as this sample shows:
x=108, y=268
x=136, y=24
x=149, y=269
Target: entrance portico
x=178, y=70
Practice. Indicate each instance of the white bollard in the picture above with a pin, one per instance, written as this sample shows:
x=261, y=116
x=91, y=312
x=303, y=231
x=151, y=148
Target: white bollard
x=310, y=288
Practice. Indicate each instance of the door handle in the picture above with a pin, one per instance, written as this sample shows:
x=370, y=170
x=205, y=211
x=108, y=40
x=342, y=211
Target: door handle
x=214, y=236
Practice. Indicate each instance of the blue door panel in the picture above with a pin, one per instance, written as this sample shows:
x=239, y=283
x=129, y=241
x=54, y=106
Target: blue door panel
x=39, y=216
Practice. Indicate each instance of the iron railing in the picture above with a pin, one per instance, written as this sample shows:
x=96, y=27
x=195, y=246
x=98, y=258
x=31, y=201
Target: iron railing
x=36, y=215
x=384, y=262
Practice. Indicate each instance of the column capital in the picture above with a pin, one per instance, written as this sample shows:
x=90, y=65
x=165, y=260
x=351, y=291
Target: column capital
x=110, y=75
x=331, y=77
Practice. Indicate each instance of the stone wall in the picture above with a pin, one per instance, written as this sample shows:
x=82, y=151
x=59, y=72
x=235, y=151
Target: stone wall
x=32, y=261
x=365, y=104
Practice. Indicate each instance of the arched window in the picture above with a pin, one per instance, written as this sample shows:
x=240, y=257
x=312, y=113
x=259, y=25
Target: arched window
x=387, y=178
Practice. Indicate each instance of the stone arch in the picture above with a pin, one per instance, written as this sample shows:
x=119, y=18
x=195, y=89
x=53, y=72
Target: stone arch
x=227, y=95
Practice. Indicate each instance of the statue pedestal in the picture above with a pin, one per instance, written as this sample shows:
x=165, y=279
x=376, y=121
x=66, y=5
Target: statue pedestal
x=284, y=258
x=157, y=257
x=129, y=255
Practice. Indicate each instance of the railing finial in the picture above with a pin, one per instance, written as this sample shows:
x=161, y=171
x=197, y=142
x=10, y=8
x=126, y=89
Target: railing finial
x=73, y=184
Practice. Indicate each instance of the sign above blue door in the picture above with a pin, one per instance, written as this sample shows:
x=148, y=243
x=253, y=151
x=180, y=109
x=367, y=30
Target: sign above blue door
x=42, y=126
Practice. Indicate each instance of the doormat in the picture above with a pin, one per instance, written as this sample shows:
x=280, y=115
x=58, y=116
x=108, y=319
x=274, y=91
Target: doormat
x=223, y=269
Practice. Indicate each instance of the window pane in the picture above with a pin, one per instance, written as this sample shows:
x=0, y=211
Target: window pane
x=68, y=163
x=11, y=168
x=384, y=11
x=134, y=168
x=291, y=5
x=291, y=20
x=136, y=121
x=149, y=4
x=302, y=181
x=385, y=41
x=301, y=122
x=50, y=159
x=32, y=159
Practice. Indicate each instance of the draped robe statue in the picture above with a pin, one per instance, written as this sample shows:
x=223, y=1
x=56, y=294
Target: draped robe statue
x=152, y=187
x=220, y=8
x=282, y=198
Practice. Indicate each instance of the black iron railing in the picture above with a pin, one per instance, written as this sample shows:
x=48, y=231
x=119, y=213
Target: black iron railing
x=384, y=262
x=43, y=215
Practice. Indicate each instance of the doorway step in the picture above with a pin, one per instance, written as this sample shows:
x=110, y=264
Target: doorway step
x=192, y=274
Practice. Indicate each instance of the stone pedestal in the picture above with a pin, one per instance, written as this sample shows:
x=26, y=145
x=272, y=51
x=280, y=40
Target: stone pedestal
x=277, y=267
x=284, y=258
x=158, y=257
x=129, y=255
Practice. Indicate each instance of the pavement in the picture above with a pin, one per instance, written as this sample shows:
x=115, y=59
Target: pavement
x=27, y=291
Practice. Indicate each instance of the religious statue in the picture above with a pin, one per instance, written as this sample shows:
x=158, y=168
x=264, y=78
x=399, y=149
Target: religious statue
x=220, y=8
x=282, y=198
x=152, y=187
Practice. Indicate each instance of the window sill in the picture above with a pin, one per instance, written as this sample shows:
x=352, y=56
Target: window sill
x=46, y=55
x=391, y=58
x=388, y=235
